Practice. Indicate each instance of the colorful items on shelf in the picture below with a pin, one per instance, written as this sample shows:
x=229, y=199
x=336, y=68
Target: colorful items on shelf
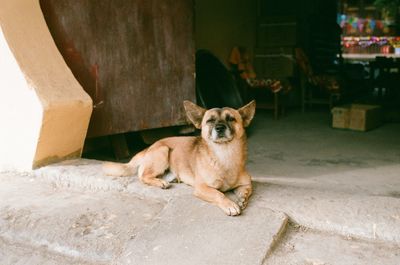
x=352, y=25
x=370, y=44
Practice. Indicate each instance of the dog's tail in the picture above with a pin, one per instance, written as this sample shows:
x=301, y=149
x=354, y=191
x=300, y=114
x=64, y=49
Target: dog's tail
x=124, y=169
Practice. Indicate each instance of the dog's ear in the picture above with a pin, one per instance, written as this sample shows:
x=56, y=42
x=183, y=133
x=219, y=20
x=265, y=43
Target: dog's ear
x=247, y=112
x=194, y=113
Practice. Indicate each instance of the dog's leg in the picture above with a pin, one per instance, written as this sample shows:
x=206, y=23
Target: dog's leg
x=243, y=194
x=216, y=197
x=154, y=164
x=243, y=190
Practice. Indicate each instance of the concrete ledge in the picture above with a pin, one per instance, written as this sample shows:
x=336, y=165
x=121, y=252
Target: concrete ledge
x=73, y=225
x=363, y=216
x=87, y=175
x=171, y=226
x=13, y=253
x=64, y=209
x=186, y=229
x=195, y=232
x=369, y=217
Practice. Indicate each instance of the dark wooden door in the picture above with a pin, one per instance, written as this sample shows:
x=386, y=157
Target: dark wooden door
x=135, y=58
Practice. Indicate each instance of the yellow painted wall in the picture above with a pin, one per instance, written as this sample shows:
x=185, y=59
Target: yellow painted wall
x=44, y=112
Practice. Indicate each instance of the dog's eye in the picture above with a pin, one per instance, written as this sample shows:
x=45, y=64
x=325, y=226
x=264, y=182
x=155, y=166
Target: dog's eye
x=211, y=120
x=230, y=119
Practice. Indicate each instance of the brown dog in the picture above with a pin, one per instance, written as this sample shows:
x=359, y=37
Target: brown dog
x=212, y=163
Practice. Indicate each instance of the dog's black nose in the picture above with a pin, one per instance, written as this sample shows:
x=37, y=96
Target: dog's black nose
x=220, y=128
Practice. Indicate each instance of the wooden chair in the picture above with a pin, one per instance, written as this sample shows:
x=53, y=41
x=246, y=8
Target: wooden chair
x=322, y=89
x=263, y=94
x=264, y=91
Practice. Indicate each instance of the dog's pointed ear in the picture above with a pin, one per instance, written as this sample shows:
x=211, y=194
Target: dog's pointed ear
x=247, y=112
x=194, y=113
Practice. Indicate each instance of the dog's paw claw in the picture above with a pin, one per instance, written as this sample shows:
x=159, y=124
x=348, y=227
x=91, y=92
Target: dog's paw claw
x=242, y=198
x=165, y=184
x=242, y=203
x=230, y=208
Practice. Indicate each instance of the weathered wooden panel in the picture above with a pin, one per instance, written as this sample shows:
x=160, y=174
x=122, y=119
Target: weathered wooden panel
x=135, y=58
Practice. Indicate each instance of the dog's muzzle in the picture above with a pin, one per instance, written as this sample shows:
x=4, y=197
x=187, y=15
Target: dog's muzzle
x=220, y=129
x=221, y=133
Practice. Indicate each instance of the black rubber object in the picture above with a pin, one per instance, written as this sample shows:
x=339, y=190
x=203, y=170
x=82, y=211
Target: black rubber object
x=215, y=85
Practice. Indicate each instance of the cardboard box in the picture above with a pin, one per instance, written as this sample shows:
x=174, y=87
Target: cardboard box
x=365, y=117
x=357, y=117
x=341, y=117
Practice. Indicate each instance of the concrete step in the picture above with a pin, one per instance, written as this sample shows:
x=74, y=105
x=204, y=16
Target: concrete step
x=93, y=227
x=25, y=254
x=87, y=175
x=306, y=246
x=73, y=211
x=72, y=214
x=355, y=215
x=193, y=232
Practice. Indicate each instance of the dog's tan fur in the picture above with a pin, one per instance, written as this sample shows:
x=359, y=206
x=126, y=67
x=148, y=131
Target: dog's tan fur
x=212, y=163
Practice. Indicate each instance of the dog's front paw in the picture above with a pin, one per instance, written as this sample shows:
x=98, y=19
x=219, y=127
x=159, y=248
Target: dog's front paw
x=243, y=194
x=164, y=184
x=229, y=207
x=242, y=202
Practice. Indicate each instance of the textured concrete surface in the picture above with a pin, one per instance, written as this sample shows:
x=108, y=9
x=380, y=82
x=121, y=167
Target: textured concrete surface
x=87, y=226
x=340, y=188
x=356, y=215
x=303, y=150
x=72, y=213
x=24, y=254
x=87, y=175
x=304, y=246
x=67, y=216
x=349, y=210
x=351, y=180
x=193, y=232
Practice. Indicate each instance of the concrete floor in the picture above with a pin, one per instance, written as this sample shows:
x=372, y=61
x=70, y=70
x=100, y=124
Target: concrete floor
x=322, y=196
x=342, y=186
x=305, y=246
